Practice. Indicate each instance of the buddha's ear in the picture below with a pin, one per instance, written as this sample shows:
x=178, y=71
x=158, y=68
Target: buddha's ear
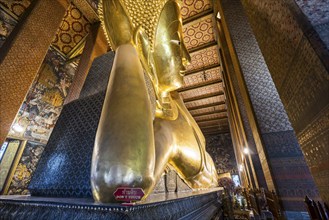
x=145, y=53
x=143, y=46
x=116, y=23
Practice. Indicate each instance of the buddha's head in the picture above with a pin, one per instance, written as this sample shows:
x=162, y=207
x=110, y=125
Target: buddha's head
x=155, y=28
x=170, y=54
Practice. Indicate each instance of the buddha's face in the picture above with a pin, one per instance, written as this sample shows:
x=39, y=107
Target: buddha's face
x=170, y=53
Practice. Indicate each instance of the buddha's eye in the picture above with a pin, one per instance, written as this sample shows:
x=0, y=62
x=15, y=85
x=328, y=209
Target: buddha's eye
x=177, y=42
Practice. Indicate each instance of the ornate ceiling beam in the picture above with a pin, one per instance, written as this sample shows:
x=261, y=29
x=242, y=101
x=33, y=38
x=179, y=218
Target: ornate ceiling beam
x=197, y=16
x=214, y=128
x=216, y=132
x=212, y=119
x=205, y=83
x=206, y=105
x=210, y=95
x=203, y=46
x=203, y=69
x=209, y=113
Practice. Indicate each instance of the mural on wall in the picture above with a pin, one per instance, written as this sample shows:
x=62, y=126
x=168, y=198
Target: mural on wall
x=16, y=7
x=10, y=13
x=221, y=150
x=7, y=24
x=25, y=169
x=43, y=103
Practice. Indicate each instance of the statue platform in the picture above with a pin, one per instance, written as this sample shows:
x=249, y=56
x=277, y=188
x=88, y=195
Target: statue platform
x=183, y=205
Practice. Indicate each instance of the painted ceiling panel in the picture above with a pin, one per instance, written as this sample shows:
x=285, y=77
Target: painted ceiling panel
x=190, y=8
x=72, y=30
x=208, y=110
x=211, y=89
x=202, y=76
x=211, y=116
x=198, y=32
x=222, y=123
x=205, y=101
x=203, y=58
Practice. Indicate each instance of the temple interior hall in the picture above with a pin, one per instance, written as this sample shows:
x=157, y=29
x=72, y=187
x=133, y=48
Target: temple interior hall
x=245, y=135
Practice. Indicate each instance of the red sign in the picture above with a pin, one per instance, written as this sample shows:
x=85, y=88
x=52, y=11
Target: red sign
x=128, y=194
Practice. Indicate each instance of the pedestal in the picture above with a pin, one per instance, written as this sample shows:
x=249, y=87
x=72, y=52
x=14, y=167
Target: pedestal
x=190, y=205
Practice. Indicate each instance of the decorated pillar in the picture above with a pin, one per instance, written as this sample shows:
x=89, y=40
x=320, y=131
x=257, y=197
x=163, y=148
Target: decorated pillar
x=24, y=58
x=281, y=158
x=293, y=38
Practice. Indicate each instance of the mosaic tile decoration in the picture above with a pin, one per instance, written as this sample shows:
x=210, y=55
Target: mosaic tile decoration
x=286, y=161
x=64, y=168
x=299, y=70
x=190, y=8
x=188, y=207
x=198, y=32
x=316, y=11
x=323, y=31
x=292, y=176
x=95, y=82
x=250, y=139
x=269, y=110
x=25, y=169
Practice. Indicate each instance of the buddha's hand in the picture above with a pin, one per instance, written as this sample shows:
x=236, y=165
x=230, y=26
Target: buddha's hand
x=116, y=23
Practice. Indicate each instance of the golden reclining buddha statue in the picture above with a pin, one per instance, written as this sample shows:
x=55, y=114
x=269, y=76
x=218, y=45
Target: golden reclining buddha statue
x=137, y=138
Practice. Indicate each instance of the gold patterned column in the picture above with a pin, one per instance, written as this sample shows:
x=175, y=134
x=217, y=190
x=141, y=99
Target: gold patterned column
x=25, y=57
x=95, y=46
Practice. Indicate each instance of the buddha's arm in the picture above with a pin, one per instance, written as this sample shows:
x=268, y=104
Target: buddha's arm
x=124, y=147
x=199, y=169
x=124, y=153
